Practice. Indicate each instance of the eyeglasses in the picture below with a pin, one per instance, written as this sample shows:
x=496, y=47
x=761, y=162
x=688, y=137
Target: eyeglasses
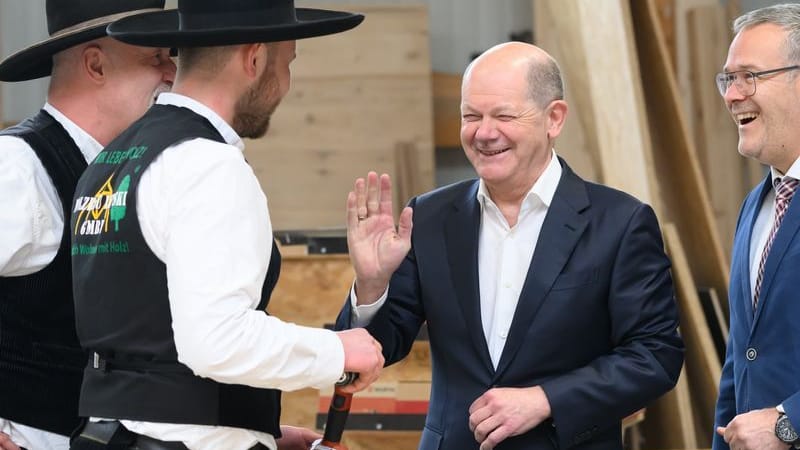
x=744, y=80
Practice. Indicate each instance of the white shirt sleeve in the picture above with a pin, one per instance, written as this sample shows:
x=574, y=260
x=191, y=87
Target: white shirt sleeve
x=31, y=214
x=203, y=213
x=363, y=314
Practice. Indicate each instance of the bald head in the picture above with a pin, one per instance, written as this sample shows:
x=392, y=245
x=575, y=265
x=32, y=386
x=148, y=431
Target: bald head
x=540, y=71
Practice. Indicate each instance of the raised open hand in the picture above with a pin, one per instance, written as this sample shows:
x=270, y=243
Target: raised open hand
x=376, y=246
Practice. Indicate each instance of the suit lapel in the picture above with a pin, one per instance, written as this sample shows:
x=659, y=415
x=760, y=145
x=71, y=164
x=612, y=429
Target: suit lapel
x=562, y=228
x=786, y=233
x=461, y=236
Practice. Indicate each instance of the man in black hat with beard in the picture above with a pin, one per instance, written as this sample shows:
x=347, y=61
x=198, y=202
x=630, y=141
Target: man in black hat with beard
x=173, y=255
x=98, y=87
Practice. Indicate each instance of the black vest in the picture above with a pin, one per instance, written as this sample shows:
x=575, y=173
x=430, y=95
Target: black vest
x=121, y=299
x=41, y=361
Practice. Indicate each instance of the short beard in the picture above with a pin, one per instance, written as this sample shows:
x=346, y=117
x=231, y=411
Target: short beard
x=252, y=112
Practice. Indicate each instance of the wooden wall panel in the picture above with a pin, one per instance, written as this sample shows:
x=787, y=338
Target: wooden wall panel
x=356, y=98
x=392, y=41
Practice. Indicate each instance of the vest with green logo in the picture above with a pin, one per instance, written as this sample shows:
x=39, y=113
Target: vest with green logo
x=121, y=300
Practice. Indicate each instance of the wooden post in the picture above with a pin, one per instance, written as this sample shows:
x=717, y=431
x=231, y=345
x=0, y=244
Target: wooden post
x=595, y=49
x=679, y=175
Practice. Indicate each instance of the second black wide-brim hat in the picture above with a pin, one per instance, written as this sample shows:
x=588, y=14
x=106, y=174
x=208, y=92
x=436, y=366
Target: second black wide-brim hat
x=209, y=23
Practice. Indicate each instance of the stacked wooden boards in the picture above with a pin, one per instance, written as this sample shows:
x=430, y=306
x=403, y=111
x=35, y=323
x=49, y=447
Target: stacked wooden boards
x=359, y=101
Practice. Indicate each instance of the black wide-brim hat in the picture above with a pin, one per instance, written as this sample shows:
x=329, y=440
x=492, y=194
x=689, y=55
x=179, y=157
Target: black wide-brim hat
x=209, y=23
x=69, y=23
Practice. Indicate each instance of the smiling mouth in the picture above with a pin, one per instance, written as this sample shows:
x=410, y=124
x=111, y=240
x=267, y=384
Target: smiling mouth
x=745, y=118
x=492, y=152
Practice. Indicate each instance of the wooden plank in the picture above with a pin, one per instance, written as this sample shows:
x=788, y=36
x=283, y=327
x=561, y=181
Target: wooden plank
x=702, y=364
x=598, y=42
x=670, y=422
x=686, y=199
x=576, y=142
x=715, y=134
x=681, y=63
x=406, y=180
x=447, y=110
x=327, y=132
x=392, y=41
x=666, y=10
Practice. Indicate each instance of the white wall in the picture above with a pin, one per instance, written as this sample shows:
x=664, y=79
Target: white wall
x=21, y=23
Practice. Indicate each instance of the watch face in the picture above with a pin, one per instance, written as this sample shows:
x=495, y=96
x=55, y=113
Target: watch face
x=785, y=431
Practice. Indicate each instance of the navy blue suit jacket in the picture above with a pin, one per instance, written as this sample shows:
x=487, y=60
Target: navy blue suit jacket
x=595, y=325
x=763, y=355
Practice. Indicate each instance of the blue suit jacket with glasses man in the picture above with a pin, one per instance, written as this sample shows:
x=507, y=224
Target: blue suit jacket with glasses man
x=762, y=359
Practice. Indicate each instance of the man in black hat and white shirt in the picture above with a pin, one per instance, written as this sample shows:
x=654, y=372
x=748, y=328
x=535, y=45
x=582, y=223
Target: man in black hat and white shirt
x=173, y=255
x=98, y=87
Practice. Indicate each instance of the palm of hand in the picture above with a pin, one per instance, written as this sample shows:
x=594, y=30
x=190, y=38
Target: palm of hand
x=376, y=249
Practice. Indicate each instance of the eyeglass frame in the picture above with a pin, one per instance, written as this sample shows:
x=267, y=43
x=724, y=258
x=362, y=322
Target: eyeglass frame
x=723, y=89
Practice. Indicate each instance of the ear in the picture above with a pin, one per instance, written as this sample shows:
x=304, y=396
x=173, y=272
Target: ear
x=556, y=115
x=254, y=59
x=94, y=63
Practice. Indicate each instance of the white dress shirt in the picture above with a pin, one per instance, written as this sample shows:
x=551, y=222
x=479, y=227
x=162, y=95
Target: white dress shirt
x=763, y=225
x=32, y=219
x=31, y=213
x=203, y=213
x=505, y=253
x=504, y=257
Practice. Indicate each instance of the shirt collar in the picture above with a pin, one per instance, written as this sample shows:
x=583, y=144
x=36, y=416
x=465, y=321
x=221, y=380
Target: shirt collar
x=230, y=136
x=88, y=145
x=544, y=188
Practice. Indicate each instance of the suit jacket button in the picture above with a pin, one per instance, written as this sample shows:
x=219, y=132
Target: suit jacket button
x=751, y=354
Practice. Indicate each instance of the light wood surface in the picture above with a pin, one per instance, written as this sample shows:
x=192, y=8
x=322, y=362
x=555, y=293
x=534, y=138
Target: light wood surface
x=355, y=98
x=447, y=110
x=310, y=292
x=681, y=186
x=726, y=172
x=575, y=144
x=595, y=49
x=703, y=367
x=670, y=421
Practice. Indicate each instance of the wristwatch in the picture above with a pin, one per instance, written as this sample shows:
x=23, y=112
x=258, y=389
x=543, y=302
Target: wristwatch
x=786, y=432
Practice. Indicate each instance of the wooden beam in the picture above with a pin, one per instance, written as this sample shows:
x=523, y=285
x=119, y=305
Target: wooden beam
x=575, y=143
x=728, y=175
x=679, y=176
x=702, y=363
x=595, y=49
